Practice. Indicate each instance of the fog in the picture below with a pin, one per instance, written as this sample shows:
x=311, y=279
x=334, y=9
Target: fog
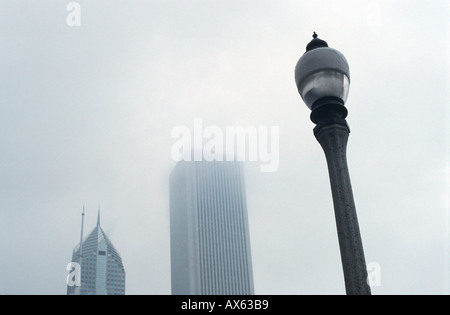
x=87, y=115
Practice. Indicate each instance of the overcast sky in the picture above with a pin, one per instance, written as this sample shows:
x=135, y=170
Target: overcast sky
x=86, y=114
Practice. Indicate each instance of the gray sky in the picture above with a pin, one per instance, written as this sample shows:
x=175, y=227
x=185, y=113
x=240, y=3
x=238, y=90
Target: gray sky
x=86, y=115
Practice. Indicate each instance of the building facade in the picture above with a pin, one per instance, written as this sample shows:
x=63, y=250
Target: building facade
x=102, y=271
x=209, y=232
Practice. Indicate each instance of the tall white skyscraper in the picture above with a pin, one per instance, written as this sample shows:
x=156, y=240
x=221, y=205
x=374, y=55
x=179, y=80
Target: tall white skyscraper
x=210, y=243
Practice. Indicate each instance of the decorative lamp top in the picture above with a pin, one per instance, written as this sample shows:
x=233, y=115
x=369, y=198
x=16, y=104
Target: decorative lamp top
x=322, y=72
x=316, y=43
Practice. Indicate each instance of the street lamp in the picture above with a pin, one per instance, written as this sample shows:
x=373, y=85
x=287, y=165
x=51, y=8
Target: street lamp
x=322, y=76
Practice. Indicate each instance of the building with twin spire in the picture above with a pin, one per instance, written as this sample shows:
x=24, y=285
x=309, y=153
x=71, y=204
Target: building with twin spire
x=101, y=268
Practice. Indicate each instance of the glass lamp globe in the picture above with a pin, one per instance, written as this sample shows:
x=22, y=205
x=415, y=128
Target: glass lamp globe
x=322, y=75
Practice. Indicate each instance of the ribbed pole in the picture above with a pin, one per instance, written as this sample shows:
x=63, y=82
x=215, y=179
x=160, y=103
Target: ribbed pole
x=333, y=139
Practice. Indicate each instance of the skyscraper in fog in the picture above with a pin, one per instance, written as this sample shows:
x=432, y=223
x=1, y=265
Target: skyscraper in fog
x=209, y=233
x=102, y=271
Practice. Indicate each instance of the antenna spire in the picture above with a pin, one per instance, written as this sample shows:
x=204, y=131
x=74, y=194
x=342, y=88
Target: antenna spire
x=81, y=236
x=81, y=243
x=98, y=216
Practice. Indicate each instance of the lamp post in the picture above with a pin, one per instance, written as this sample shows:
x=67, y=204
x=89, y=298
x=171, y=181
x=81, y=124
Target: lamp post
x=322, y=76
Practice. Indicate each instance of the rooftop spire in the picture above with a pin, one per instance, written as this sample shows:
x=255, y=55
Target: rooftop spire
x=81, y=238
x=82, y=225
x=98, y=216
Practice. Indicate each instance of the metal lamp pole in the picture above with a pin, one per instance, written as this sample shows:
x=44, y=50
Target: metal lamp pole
x=323, y=77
